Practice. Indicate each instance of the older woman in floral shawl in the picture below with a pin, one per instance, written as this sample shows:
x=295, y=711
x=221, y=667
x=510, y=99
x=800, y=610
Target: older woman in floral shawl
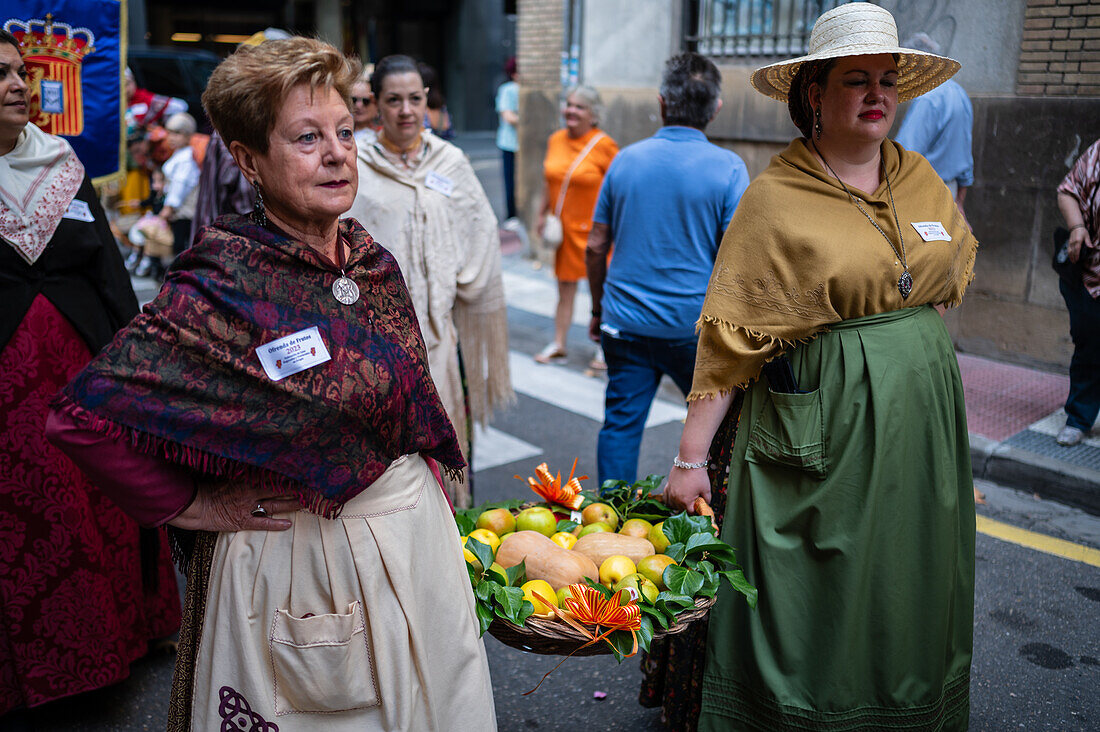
x=275, y=402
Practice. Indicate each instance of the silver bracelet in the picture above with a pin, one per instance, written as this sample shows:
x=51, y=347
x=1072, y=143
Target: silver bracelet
x=678, y=463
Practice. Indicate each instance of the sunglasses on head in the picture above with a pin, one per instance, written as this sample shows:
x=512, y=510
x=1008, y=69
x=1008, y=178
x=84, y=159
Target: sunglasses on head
x=357, y=100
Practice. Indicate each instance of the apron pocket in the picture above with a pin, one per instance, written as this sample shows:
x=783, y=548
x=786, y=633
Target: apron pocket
x=322, y=663
x=790, y=431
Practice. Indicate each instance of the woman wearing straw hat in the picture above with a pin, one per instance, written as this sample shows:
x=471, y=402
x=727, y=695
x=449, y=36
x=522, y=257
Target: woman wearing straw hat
x=850, y=490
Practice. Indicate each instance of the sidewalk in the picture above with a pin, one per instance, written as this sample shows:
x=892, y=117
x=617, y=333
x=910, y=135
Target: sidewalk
x=1013, y=414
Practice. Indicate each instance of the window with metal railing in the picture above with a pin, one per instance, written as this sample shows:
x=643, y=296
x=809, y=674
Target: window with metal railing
x=732, y=28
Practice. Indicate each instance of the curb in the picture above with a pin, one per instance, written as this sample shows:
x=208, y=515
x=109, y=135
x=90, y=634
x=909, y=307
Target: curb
x=1027, y=471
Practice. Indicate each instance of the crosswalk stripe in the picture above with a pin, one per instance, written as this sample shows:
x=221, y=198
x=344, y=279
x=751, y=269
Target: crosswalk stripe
x=493, y=447
x=575, y=392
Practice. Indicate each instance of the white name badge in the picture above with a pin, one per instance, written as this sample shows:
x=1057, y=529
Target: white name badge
x=79, y=211
x=440, y=183
x=293, y=353
x=931, y=231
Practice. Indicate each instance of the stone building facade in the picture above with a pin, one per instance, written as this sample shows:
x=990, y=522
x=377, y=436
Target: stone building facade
x=1031, y=67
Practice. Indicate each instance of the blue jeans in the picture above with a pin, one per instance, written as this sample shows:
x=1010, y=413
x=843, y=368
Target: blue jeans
x=509, y=183
x=635, y=365
x=1083, y=402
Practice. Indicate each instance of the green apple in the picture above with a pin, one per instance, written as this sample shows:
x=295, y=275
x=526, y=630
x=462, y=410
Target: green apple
x=564, y=593
x=636, y=527
x=537, y=518
x=653, y=569
x=657, y=538
x=594, y=529
x=641, y=584
x=594, y=512
x=614, y=568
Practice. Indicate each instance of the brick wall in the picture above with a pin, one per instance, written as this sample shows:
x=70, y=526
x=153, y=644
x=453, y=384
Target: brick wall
x=1060, y=49
x=539, y=30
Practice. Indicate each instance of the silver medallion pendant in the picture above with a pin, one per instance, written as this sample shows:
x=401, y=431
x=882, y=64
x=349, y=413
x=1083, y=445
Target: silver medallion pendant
x=345, y=291
x=905, y=285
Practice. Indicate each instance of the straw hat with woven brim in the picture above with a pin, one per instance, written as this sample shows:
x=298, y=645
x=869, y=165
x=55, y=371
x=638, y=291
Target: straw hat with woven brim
x=859, y=29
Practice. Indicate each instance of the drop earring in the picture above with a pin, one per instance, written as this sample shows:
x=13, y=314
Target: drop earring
x=258, y=215
x=817, y=123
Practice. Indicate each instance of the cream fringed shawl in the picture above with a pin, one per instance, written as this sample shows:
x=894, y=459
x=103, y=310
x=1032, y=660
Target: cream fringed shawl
x=798, y=256
x=448, y=248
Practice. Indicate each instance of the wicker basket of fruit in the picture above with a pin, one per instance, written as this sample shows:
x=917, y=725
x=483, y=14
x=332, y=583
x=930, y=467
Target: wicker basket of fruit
x=581, y=574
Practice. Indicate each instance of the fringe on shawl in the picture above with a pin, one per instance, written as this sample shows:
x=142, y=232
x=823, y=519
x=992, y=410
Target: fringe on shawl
x=483, y=338
x=770, y=340
x=202, y=462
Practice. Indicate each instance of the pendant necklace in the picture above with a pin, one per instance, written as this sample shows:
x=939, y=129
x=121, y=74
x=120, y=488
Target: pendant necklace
x=344, y=288
x=905, y=282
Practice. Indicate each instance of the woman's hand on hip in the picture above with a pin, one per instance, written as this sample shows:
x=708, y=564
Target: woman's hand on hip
x=684, y=486
x=1078, y=239
x=232, y=506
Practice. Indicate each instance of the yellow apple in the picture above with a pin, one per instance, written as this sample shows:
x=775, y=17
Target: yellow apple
x=564, y=539
x=486, y=537
x=614, y=568
x=653, y=569
x=498, y=520
x=537, y=518
x=594, y=529
x=594, y=512
x=636, y=527
x=641, y=584
x=657, y=537
x=545, y=591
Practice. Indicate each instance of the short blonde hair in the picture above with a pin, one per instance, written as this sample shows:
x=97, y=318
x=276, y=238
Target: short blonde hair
x=245, y=91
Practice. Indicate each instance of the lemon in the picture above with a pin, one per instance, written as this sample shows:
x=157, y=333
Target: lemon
x=564, y=539
x=542, y=609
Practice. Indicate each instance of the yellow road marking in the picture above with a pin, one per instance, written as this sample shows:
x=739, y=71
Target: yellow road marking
x=1039, y=542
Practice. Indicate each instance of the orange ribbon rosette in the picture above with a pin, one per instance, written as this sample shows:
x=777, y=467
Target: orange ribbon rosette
x=551, y=489
x=588, y=606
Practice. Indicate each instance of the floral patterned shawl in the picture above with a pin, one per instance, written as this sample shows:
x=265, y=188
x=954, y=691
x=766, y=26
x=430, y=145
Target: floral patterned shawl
x=183, y=380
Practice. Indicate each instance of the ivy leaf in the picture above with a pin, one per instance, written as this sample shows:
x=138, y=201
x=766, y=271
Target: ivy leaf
x=566, y=525
x=712, y=545
x=645, y=633
x=517, y=573
x=710, y=579
x=466, y=523
x=482, y=551
x=484, y=590
x=682, y=581
x=680, y=527
x=737, y=578
x=524, y=612
x=510, y=600
x=484, y=618
x=656, y=615
x=672, y=603
x=676, y=552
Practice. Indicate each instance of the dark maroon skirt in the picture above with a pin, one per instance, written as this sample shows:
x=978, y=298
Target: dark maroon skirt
x=75, y=611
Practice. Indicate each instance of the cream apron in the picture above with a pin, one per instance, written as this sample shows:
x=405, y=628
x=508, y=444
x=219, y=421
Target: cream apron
x=365, y=622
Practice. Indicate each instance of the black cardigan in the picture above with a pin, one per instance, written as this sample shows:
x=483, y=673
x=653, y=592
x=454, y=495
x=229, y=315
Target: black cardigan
x=80, y=272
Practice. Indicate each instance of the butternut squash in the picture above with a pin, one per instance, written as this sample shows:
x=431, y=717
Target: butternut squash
x=604, y=544
x=545, y=560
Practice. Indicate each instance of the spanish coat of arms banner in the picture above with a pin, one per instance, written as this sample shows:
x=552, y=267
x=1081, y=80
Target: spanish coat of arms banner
x=75, y=53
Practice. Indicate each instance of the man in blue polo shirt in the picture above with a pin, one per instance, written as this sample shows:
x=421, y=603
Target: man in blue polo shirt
x=939, y=126
x=664, y=205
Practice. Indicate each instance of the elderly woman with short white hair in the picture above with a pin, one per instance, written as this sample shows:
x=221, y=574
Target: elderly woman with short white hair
x=577, y=159
x=274, y=407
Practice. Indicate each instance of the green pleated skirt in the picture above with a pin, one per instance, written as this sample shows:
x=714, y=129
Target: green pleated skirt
x=851, y=507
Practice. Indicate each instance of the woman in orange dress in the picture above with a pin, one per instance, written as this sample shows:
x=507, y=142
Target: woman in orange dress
x=582, y=153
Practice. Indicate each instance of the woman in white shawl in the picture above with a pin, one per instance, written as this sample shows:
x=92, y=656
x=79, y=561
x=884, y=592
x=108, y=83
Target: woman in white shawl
x=419, y=198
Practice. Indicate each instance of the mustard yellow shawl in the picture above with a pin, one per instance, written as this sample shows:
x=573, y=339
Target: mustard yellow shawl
x=798, y=256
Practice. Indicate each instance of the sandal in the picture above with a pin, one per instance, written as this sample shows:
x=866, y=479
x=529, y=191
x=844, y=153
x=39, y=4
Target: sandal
x=598, y=363
x=553, y=353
